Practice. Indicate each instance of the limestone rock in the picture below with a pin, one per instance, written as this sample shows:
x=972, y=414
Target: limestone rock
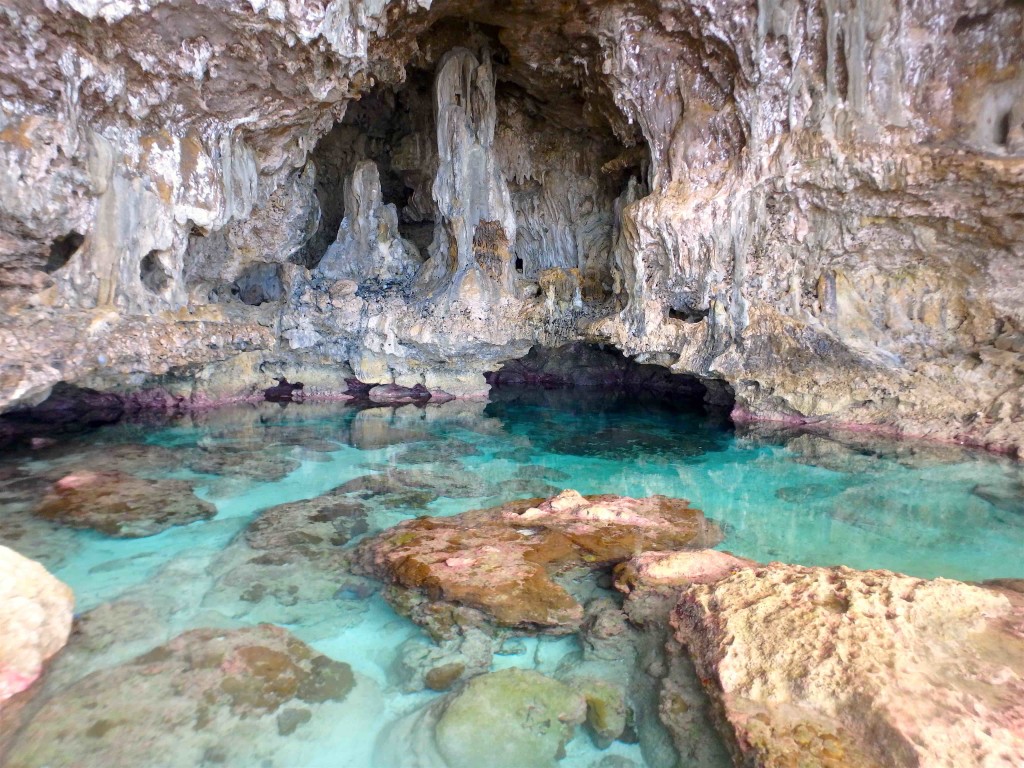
x=207, y=693
x=286, y=566
x=606, y=709
x=122, y=505
x=469, y=189
x=847, y=668
x=818, y=207
x=676, y=569
x=392, y=394
x=502, y=561
x=35, y=620
x=507, y=719
x=368, y=245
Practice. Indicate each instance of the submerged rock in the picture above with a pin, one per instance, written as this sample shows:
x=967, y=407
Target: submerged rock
x=207, y=697
x=35, y=620
x=502, y=561
x=1007, y=497
x=285, y=567
x=122, y=505
x=507, y=719
x=844, y=668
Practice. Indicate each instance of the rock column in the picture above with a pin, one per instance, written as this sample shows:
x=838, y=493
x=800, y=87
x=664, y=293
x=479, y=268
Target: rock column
x=471, y=253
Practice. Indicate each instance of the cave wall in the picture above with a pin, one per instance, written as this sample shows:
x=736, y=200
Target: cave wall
x=816, y=201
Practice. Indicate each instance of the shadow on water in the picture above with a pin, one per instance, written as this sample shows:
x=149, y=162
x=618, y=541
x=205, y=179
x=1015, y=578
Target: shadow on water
x=620, y=424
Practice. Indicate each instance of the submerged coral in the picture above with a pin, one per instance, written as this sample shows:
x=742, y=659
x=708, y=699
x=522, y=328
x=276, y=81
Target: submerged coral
x=122, y=505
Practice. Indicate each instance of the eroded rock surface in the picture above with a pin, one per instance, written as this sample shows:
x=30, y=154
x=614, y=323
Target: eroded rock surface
x=817, y=205
x=503, y=561
x=505, y=719
x=838, y=667
x=206, y=696
x=35, y=620
x=288, y=564
x=122, y=505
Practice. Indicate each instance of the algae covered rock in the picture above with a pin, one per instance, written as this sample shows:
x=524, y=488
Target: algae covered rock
x=284, y=567
x=509, y=719
x=840, y=668
x=503, y=561
x=122, y=505
x=207, y=696
x=607, y=709
x=35, y=620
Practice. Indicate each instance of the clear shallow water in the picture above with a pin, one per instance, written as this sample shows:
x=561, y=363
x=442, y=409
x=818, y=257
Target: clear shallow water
x=923, y=510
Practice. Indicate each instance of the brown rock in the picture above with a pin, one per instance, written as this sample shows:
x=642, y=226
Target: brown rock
x=442, y=678
x=393, y=394
x=502, y=561
x=122, y=505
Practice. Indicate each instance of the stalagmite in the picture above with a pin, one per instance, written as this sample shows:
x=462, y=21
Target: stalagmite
x=469, y=189
x=368, y=244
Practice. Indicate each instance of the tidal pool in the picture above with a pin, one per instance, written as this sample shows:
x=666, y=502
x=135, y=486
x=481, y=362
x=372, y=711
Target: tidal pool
x=921, y=509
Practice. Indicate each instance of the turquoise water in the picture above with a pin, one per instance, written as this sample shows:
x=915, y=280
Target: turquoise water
x=811, y=499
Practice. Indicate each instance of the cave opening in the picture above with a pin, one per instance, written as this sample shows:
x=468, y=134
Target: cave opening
x=153, y=274
x=562, y=146
x=62, y=249
x=1003, y=129
x=392, y=127
x=259, y=283
x=598, y=375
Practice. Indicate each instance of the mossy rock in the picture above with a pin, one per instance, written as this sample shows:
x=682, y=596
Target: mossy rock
x=509, y=719
x=607, y=713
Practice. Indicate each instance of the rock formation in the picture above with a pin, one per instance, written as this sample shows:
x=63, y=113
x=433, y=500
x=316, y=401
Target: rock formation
x=35, y=620
x=122, y=505
x=503, y=562
x=834, y=666
x=368, y=243
x=817, y=204
x=849, y=668
x=208, y=695
x=505, y=719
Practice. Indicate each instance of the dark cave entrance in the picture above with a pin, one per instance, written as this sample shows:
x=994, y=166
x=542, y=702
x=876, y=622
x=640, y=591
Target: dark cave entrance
x=594, y=375
x=563, y=146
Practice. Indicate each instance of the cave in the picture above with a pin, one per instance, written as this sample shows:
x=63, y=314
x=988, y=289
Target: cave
x=598, y=373
x=153, y=273
x=62, y=249
x=507, y=383
x=564, y=150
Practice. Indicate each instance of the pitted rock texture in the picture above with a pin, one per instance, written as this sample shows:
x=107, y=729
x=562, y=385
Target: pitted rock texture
x=208, y=695
x=35, y=620
x=818, y=204
x=285, y=567
x=836, y=667
x=506, y=719
x=122, y=505
x=504, y=562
